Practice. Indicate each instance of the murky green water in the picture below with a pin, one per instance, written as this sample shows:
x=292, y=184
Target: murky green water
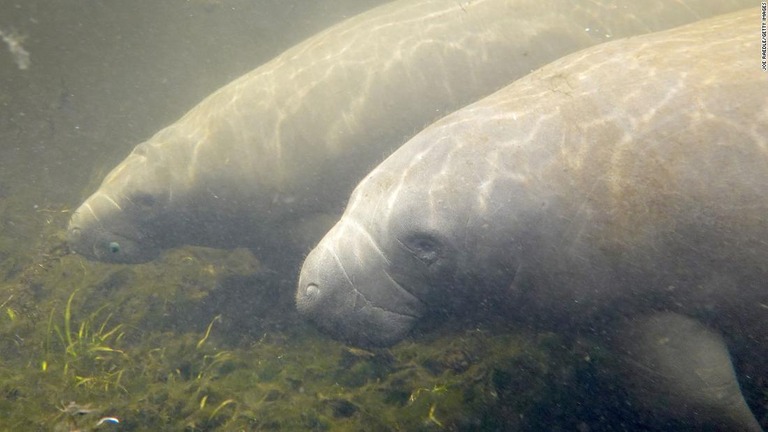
x=203, y=339
x=200, y=339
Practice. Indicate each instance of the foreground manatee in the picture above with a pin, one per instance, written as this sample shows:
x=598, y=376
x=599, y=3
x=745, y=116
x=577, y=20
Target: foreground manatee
x=289, y=140
x=623, y=185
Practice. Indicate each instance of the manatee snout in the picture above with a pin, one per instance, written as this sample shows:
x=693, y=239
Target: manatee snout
x=346, y=303
x=88, y=237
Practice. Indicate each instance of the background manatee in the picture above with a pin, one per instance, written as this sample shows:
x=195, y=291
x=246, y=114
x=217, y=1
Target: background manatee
x=288, y=141
x=620, y=191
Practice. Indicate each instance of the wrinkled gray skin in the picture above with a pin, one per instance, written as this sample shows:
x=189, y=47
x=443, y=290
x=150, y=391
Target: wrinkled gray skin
x=263, y=155
x=619, y=182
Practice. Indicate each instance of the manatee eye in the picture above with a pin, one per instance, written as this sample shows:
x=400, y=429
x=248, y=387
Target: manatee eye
x=424, y=247
x=143, y=199
x=114, y=247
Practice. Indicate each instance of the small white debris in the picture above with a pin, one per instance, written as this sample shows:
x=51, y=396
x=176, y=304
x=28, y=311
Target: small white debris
x=20, y=55
x=112, y=420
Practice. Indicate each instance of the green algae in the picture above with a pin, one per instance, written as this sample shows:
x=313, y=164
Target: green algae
x=144, y=344
x=204, y=340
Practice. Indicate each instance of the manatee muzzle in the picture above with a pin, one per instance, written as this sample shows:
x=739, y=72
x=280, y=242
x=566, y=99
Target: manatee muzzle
x=355, y=300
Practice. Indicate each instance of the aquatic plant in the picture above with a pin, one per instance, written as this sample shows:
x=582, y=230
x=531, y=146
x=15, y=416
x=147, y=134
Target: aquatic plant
x=89, y=357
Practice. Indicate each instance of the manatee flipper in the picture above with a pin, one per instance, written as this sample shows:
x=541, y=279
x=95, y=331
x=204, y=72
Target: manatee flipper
x=674, y=365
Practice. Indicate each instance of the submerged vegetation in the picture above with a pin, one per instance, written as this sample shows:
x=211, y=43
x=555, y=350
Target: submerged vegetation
x=207, y=340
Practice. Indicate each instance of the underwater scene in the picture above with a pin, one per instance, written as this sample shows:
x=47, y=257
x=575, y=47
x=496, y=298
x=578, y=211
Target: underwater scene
x=372, y=215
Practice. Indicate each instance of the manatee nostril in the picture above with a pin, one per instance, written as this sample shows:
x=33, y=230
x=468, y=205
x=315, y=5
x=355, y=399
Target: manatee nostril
x=74, y=234
x=312, y=290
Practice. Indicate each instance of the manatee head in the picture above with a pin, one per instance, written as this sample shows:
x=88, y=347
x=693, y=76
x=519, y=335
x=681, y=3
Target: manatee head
x=122, y=221
x=411, y=241
x=366, y=281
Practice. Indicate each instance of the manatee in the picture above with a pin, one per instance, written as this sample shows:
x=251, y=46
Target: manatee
x=288, y=141
x=621, y=190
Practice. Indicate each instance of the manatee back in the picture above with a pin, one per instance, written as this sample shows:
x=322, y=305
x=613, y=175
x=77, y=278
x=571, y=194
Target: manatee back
x=635, y=167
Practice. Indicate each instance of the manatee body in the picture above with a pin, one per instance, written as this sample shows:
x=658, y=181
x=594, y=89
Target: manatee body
x=622, y=189
x=290, y=139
